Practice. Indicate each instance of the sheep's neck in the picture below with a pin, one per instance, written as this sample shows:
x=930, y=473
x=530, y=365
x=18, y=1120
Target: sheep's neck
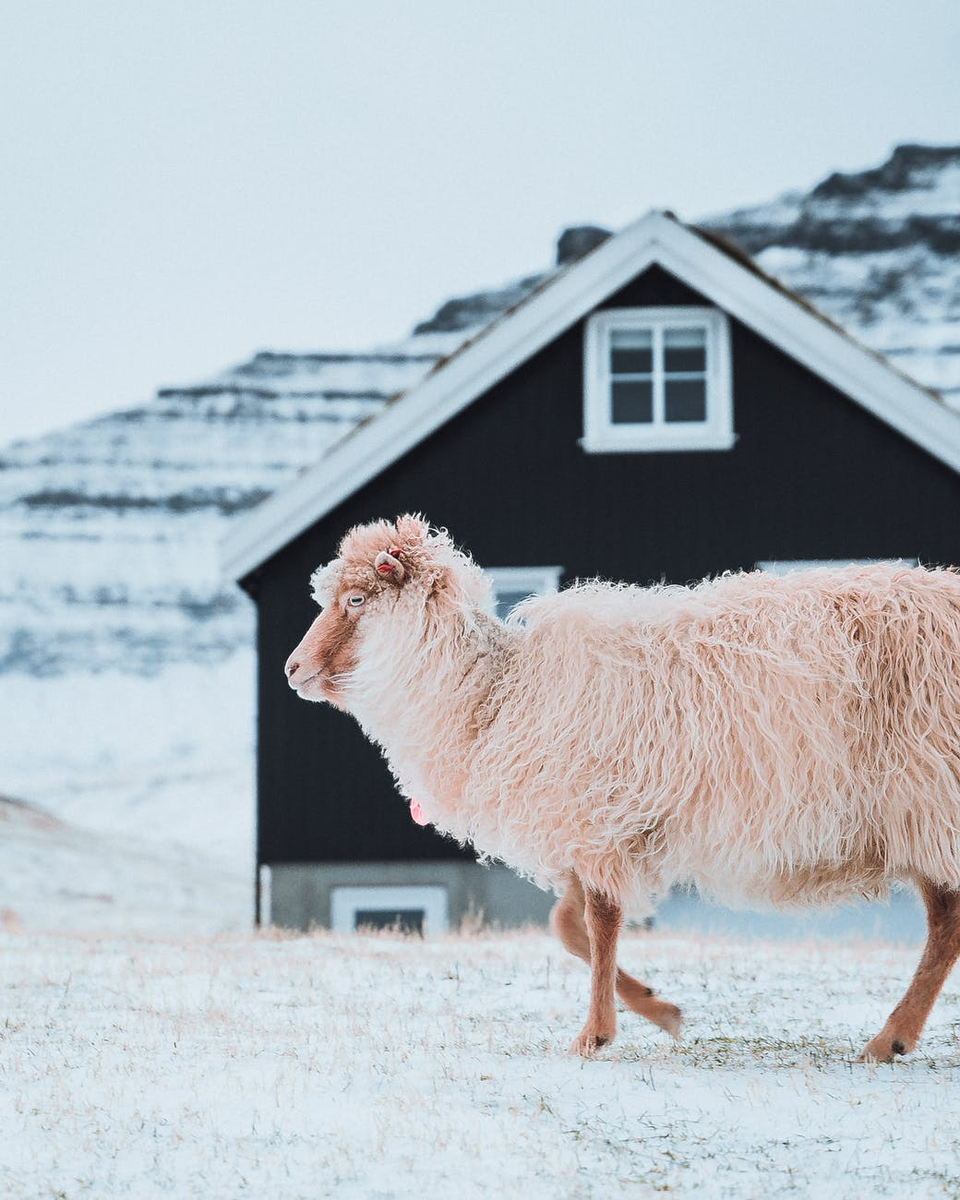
x=429, y=724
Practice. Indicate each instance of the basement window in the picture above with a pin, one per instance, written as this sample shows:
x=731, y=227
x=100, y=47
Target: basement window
x=513, y=584
x=657, y=379
x=408, y=909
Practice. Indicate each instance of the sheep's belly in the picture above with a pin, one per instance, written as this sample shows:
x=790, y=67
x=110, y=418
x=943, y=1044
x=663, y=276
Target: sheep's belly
x=755, y=866
x=809, y=885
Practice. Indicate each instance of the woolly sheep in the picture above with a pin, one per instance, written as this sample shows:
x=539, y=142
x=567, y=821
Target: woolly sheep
x=775, y=739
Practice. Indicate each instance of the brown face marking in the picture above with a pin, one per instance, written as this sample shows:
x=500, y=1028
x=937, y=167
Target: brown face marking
x=371, y=566
x=328, y=649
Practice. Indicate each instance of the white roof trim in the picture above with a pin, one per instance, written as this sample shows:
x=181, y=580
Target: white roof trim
x=511, y=339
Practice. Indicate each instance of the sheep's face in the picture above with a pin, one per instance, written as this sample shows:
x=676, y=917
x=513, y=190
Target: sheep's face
x=321, y=665
x=375, y=562
x=401, y=568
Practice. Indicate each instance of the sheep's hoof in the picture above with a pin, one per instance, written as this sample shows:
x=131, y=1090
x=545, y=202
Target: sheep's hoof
x=641, y=1000
x=669, y=1018
x=586, y=1044
x=883, y=1048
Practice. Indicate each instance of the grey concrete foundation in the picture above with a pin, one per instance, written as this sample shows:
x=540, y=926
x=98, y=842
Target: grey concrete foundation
x=298, y=895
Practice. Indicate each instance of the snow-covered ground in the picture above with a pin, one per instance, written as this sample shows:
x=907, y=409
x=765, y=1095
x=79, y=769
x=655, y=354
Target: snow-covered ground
x=167, y=758
x=365, y=1067
x=141, y=794
x=58, y=876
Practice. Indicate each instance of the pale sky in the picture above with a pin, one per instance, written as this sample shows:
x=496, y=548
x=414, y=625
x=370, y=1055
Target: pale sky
x=185, y=182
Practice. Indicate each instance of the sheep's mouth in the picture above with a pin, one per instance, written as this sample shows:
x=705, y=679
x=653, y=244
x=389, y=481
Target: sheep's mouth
x=299, y=685
x=317, y=687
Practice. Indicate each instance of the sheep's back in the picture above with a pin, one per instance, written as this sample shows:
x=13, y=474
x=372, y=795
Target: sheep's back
x=756, y=734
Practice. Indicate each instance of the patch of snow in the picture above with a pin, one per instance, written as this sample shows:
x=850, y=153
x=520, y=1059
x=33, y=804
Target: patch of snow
x=55, y=876
x=376, y=1068
x=167, y=758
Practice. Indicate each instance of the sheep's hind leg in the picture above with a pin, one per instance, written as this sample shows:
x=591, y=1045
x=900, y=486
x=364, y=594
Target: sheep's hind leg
x=905, y=1024
x=569, y=925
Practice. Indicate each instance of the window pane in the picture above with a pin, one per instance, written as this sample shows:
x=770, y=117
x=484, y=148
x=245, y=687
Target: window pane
x=631, y=402
x=684, y=350
x=685, y=400
x=507, y=600
x=403, y=920
x=631, y=351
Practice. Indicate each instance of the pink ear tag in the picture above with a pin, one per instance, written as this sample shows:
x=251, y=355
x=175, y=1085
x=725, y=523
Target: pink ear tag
x=417, y=813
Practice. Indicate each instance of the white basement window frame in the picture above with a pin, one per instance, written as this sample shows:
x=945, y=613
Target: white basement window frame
x=657, y=379
x=349, y=904
x=513, y=584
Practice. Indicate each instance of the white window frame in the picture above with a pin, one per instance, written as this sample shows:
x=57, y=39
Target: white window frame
x=601, y=435
x=535, y=581
x=346, y=902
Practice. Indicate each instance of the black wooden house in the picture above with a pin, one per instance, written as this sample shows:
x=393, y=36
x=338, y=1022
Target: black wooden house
x=659, y=409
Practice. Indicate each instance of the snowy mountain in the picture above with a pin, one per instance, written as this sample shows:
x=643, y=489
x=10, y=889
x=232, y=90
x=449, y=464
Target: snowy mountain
x=107, y=528
x=878, y=251
x=126, y=672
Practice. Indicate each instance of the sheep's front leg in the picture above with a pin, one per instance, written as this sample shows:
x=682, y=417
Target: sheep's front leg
x=569, y=926
x=603, y=919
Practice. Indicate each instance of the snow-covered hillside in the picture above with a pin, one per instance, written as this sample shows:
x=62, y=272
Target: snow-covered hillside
x=108, y=529
x=55, y=875
x=126, y=674
x=126, y=685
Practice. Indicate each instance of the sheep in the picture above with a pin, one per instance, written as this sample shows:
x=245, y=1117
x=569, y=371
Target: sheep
x=788, y=740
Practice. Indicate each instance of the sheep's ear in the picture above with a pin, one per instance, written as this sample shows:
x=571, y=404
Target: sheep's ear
x=388, y=565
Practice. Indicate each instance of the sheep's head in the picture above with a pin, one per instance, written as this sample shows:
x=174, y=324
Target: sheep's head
x=403, y=567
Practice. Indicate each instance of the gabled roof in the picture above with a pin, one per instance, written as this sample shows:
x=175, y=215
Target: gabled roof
x=726, y=276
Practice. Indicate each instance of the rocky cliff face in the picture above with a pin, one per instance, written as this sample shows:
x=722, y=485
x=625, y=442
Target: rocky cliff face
x=879, y=252
x=125, y=659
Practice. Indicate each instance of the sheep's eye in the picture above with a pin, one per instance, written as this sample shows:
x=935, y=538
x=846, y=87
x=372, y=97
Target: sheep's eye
x=355, y=601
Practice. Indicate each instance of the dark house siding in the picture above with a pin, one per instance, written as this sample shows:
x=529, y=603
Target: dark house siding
x=812, y=475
